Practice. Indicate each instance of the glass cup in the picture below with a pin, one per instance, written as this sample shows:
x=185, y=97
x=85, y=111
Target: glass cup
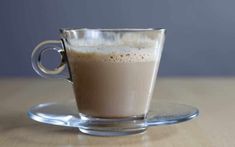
x=113, y=72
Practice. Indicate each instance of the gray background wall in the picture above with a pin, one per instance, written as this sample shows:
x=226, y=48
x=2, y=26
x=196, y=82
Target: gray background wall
x=200, y=38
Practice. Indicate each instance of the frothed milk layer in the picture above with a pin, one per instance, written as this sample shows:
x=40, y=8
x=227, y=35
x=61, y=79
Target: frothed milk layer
x=114, y=55
x=120, y=48
x=109, y=40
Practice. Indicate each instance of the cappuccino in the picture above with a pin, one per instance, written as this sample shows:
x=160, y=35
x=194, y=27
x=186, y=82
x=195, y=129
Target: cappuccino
x=113, y=84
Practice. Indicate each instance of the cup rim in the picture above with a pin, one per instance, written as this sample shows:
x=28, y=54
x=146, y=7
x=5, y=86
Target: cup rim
x=63, y=30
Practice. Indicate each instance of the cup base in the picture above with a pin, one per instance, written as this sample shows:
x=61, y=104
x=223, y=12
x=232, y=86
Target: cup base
x=112, y=126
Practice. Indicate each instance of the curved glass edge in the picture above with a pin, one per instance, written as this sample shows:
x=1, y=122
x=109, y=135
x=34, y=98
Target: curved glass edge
x=173, y=121
x=53, y=120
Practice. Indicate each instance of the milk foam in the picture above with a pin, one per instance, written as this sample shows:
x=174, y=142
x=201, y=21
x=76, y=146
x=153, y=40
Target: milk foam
x=139, y=40
x=125, y=48
x=134, y=55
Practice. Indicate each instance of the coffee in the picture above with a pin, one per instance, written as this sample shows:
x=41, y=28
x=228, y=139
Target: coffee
x=113, y=72
x=113, y=84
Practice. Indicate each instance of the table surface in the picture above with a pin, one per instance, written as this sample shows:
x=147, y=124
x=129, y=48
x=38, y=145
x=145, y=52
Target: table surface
x=213, y=128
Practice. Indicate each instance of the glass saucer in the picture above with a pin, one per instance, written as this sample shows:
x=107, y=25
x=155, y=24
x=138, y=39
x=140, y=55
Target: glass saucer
x=66, y=114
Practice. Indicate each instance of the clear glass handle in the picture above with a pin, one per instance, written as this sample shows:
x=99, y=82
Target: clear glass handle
x=40, y=50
